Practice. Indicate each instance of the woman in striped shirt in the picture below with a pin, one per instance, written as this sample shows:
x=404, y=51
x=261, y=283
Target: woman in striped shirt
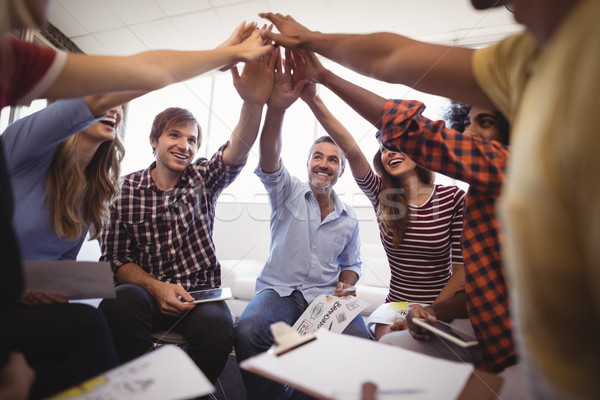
x=420, y=223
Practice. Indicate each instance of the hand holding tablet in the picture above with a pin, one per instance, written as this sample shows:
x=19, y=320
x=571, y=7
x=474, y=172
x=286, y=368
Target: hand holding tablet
x=204, y=296
x=446, y=331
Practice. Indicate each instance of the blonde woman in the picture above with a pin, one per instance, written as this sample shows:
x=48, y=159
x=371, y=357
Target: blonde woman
x=29, y=71
x=76, y=343
x=63, y=179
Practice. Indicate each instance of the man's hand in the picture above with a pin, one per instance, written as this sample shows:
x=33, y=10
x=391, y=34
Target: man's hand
x=383, y=329
x=256, y=82
x=415, y=330
x=287, y=88
x=34, y=297
x=291, y=31
x=312, y=66
x=346, y=281
x=168, y=295
x=344, y=289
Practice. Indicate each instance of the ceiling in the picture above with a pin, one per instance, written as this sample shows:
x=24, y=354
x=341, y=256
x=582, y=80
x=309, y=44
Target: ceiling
x=121, y=27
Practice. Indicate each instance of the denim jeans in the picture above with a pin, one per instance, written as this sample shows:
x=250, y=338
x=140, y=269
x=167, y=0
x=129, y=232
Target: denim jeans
x=134, y=315
x=253, y=336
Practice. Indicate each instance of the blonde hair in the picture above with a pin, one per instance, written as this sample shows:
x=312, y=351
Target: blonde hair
x=80, y=198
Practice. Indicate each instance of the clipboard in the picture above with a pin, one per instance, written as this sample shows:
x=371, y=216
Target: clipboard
x=76, y=280
x=334, y=366
x=151, y=376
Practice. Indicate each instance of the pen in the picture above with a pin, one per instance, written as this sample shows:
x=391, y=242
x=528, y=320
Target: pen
x=349, y=289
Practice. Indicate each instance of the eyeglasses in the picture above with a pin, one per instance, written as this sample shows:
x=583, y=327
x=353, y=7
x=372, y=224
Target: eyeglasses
x=509, y=6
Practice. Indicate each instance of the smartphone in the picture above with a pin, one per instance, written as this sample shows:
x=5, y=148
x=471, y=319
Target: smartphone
x=447, y=332
x=203, y=296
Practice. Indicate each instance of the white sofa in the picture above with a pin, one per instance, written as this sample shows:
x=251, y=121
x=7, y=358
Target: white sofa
x=240, y=276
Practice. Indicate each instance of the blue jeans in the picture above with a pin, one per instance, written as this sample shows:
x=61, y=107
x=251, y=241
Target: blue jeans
x=134, y=315
x=253, y=336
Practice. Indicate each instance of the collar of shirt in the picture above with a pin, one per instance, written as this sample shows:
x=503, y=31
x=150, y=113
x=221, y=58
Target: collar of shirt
x=146, y=180
x=339, y=205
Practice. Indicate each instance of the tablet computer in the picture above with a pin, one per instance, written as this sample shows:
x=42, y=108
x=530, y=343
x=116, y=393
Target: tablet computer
x=203, y=296
x=444, y=330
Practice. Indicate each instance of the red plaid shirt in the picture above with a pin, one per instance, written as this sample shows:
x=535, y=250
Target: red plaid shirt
x=482, y=165
x=169, y=234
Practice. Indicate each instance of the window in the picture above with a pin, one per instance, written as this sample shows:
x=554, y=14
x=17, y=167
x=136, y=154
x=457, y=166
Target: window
x=216, y=104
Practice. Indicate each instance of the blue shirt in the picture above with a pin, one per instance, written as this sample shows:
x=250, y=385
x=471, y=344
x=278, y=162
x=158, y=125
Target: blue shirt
x=306, y=254
x=29, y=146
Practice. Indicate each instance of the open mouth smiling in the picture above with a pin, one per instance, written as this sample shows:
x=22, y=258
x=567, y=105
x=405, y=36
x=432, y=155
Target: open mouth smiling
x=180, y=156
x=109, y=121
x=395, y=161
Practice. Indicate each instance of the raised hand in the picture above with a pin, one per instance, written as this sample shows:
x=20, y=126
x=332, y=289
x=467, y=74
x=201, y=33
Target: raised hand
x=288, y=83
x=312, y=66
x=309, y=91
x=254, y=46
x=290, y=30
x=258, y=77
x=241, y=32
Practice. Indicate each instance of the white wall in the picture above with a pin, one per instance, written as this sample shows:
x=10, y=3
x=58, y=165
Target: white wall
x=242, y=230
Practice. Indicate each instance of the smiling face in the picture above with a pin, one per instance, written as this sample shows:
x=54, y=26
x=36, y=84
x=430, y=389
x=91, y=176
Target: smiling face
x=324, y=166
x=105, y=129
x=397, y=164
x=175, y=147
x=483, y=123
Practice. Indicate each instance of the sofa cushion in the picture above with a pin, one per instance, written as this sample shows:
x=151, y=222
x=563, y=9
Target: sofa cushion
x=375, y=296
x=375, y=272
x=240, y=276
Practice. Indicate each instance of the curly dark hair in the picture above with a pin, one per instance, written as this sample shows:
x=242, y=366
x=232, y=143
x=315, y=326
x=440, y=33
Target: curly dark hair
x=456, y=115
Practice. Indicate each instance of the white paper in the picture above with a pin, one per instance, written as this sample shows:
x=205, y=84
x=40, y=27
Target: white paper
x=329, y=312
x=70, y=278
x=166, y=373
x=388, y=313
x=335, y=366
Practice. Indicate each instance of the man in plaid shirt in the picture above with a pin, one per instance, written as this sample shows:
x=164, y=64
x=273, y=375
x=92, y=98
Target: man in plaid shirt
x=159, y=237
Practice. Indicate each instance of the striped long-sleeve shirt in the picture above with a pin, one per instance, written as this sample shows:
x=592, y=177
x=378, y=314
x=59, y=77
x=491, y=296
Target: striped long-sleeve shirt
x=480, y=163
x=422, y=263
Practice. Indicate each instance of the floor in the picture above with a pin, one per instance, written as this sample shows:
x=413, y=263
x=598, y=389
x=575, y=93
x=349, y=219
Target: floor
x=230, y=385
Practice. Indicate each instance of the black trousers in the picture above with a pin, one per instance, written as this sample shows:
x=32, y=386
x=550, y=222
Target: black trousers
x=134, y=315
x=65, y=344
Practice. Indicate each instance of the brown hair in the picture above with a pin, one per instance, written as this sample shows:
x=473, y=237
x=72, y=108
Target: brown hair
x=392, y=211
x=71, y=190
x=173, y=116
